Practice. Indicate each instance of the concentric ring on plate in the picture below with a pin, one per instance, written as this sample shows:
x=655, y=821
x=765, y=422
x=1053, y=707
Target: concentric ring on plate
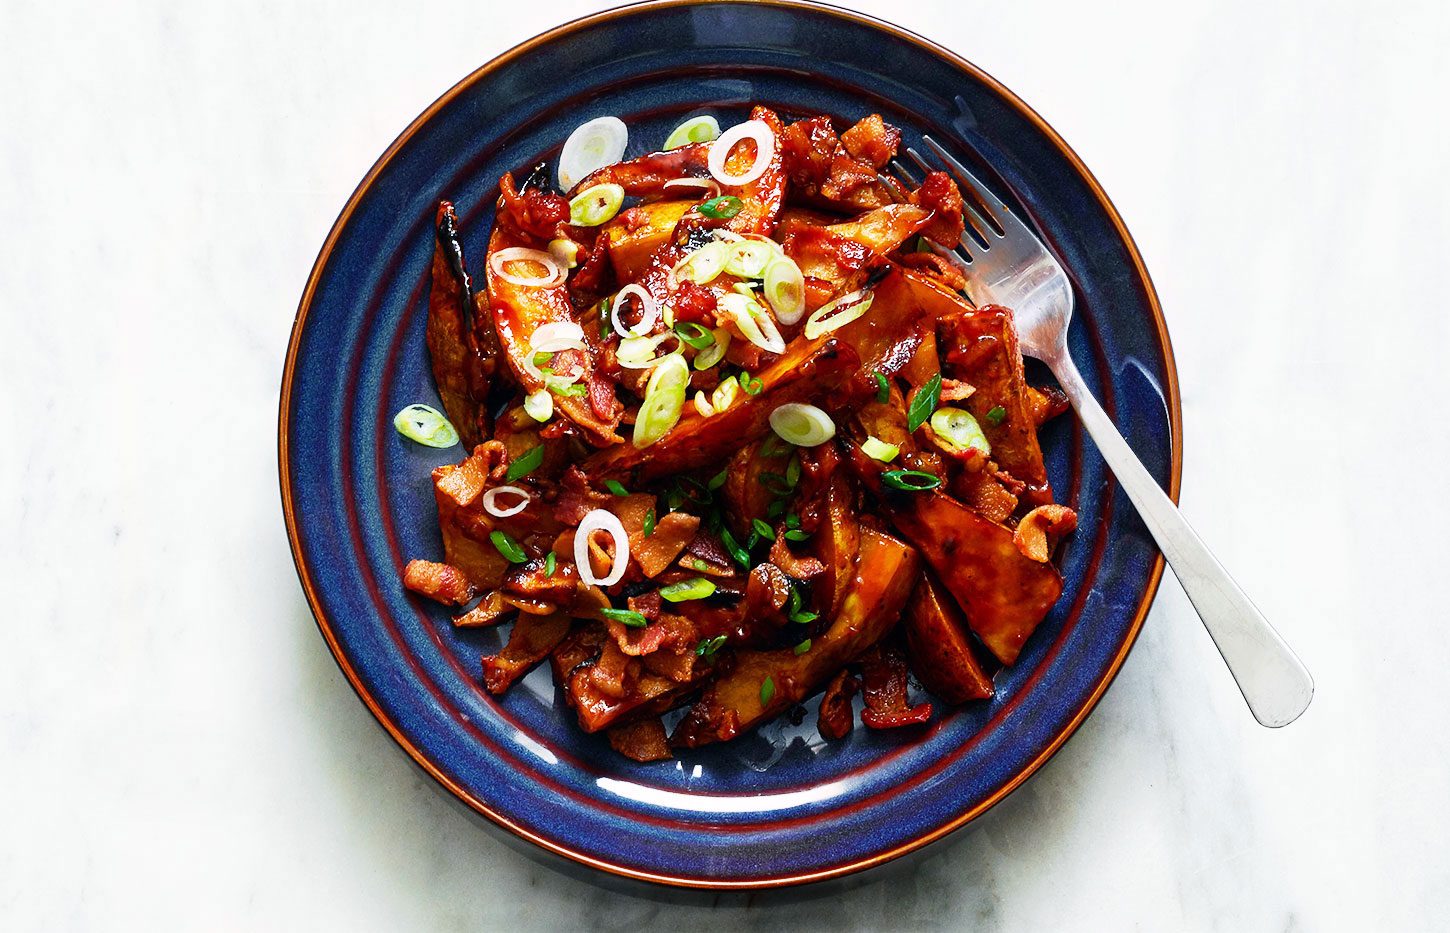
x=782, y=810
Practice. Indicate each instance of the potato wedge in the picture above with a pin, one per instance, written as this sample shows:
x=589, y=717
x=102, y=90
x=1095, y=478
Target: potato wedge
x=938, y=646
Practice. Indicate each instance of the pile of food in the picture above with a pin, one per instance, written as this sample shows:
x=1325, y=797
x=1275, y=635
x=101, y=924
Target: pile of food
x=736, y=437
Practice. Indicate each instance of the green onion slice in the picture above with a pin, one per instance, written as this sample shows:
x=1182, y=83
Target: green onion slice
x=664, y=400
x=426, y=426
x=803, y=647
x=507, y=546
x=550, y=564
x=700, y=129
x=648, y=526
x=751, y=384
x=616, y=487
x=766, y=532
x=838, y=313
x=879, y=449
x=526, y=464
x=723, y=207
x=910, y=480
x=595, y=205
x=748, y=259
x=628, y=616
x=686, y=590
x=959, y=431
x=708, y=646
x=883, y=388
x=539, y=405
x=802, y=424
x=715, y=352
x=997, y=415
x=694, y=335
x=923, y=403
x=785, y=289
x=767, y=691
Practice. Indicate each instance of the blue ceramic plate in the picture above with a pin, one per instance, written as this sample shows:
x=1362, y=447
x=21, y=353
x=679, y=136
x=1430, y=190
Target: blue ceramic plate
x=780, y=806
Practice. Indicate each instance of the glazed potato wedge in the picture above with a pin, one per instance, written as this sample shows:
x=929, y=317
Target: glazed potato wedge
x=1004, y=594
x=939, y=647
x=738, y=699
x=804, y=373
x=837, y=545
x=530, y=642
x=520, y=310
x=636, y=234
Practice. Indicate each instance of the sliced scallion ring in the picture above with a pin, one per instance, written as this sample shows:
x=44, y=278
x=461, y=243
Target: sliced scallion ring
x=642, y=352
x=699, y=129
x=695, y=335
x=565, y=252
x=686, y=590
x=591, y=147
x=426, y=426
x=801, y=424
x=838, y=313
x=664, y=400
x=700, y=266
x=753, y=321
x=595, y=205
x=725, y=394
x=715, y=352
x=785, y=289
x=878, y=449
x=959, y=430
x=748, y=259
x=702, y=404
x=910, y=480
x=540, y=405
x=757, y=130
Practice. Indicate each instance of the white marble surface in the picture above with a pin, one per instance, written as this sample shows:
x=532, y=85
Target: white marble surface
x=179, y=750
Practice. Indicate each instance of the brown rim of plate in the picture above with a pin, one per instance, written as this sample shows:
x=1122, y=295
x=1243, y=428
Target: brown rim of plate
x=1175, y=419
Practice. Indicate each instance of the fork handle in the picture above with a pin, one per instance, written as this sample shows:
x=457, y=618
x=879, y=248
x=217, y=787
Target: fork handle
x=1273, y=680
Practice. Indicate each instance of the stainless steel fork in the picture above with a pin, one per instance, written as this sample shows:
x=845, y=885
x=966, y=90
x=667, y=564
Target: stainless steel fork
x=1007, y=265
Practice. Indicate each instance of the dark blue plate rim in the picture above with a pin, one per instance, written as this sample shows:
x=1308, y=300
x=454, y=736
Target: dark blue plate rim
x=325, y=626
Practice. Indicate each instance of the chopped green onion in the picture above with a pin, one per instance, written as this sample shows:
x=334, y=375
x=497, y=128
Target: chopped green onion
x=604, y=323
x=883, y=389
x=550, y=564
x=649, y=522
x=700, y=129
x=923, y=403
x=426, y=426
x=997, y=415
x=762, y=529
x=801, y=424
x=767, y=691
x=616, y=487
x=838, y=313
x=776, y=483
x=775, y=509
x=543, y=357
x=772, y=447
x=526, y=464
x=595, y=205
x=686, y=590
x=748, y=259
x=879, y=449
x=664, y=400
x=804, y=618
x=702, y=265
x=507, y=546
x=715, y=352
x=750, y=384
x=628, y=616
x=539, y=405
x=708, y=646
x=803, y=647
x=792, y=520
x=959, y=431
x=795, y=534
x=565, y=252
x=737, y=553
x=793, y=472
x=722, y=208
x=577, y=389
x=718, y=479
x=910, y=480
x=785, y=289
x=793, y=602
x=694, y=335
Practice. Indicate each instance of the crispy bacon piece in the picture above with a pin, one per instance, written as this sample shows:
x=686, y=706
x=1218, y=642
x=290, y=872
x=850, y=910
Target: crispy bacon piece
x=766, y=592
x=884, y=684
x=801, y=568
x=532, y=211
x=836, y=717
x=530, y=642
x=441, y=582
x=822, y=171
x=1038, y=532
x=641, y=741
x=872, y=141
x=735, y=699
x=490, y=610
x=937, y=643
x=1045, y=403
x=939, y=194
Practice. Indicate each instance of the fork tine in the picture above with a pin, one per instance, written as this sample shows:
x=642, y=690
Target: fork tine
x=978, y=221
x=962, y=254
x=994, y=206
